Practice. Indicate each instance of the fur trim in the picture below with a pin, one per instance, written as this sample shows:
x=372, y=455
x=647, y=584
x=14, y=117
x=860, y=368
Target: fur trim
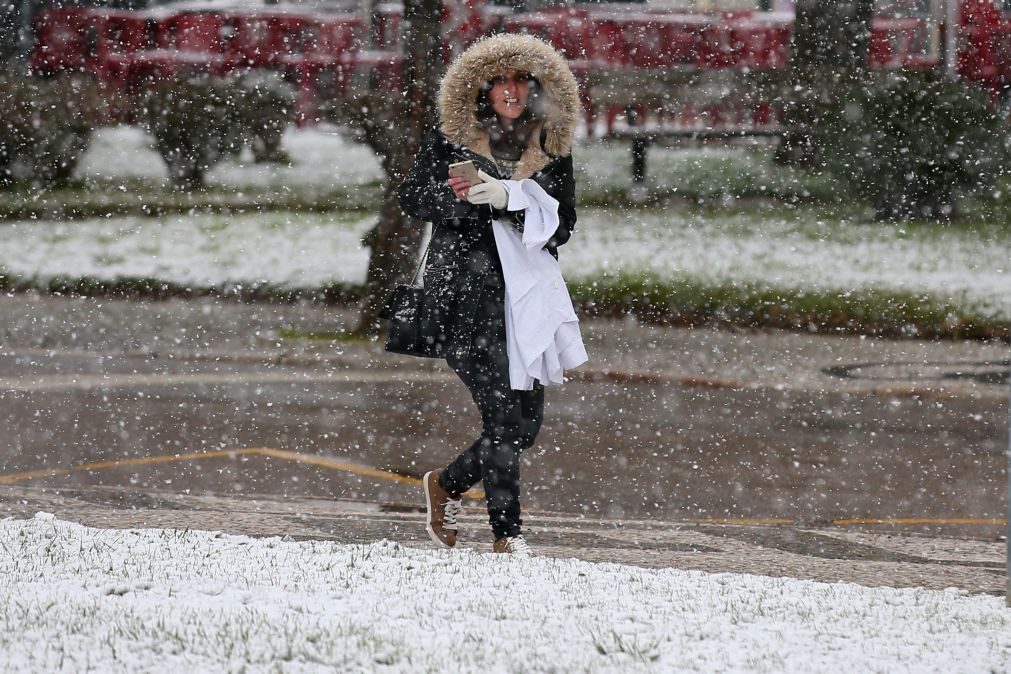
x=493, y=56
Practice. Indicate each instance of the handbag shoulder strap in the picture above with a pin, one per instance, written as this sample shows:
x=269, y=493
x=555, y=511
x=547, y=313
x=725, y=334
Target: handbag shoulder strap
x=424, y=256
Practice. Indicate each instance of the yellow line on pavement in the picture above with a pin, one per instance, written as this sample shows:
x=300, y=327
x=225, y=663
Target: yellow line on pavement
x=337, y=465
x=755, y=521
x=856, y=521
x=99, y=465
x=167, y=458
x=310, y=459
x=924, y=521
x=351, y=468
x=31, y=474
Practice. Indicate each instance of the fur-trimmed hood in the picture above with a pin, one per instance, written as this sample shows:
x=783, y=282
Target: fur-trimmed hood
x=492, y=56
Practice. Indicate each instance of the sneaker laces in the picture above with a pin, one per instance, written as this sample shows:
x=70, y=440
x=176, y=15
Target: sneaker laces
x=453, y=508
x=518, y=546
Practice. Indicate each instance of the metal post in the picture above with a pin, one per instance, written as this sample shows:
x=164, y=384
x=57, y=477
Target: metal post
x=952, y=15
x=1007, y=530
x=639, y=147
x=24, y=34
x=934, y=46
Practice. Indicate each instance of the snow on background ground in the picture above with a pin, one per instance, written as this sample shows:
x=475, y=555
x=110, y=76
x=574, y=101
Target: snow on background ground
x=74, y=598
x=300, y=250
x=321, y=157
x=324, y=158
x=311, y=249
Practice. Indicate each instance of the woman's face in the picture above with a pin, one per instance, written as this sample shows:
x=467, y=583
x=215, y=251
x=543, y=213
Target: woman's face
x=508, y=94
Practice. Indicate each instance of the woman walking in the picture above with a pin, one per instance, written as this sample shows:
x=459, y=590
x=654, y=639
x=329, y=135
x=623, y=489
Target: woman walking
x=509, y=104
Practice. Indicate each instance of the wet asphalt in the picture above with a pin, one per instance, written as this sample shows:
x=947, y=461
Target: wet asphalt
x=217, y=398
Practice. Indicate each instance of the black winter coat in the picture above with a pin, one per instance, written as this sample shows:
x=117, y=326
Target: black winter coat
x=463, y=272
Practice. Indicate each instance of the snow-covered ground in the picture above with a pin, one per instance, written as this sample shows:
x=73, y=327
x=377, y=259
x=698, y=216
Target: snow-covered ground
x=311, y=250
x=323, y=158
x=789, y=252
x=74, y=598
x=320, y=157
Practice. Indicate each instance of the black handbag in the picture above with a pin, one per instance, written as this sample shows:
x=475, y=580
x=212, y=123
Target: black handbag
x=414, y=328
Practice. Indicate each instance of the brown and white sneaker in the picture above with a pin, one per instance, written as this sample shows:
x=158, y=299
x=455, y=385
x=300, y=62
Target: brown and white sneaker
x=442, y=510
x=513, y=545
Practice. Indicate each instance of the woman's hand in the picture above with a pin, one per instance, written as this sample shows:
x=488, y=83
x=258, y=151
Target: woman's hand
x=460, y=187
x=491, y=191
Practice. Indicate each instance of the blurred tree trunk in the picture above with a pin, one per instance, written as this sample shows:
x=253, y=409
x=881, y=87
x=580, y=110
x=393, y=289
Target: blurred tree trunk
x=396, y=130
x=830, y=48
x=832, y=34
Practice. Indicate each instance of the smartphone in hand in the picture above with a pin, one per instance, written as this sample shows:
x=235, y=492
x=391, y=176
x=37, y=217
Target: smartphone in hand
x=465, y=170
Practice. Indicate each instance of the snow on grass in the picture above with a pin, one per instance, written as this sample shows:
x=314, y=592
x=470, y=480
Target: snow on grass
x=74, y=598
x=799, y=252
x=698, y=171
x=321, y=158
x=200, y=250
x=311, y=250
x=781, y=250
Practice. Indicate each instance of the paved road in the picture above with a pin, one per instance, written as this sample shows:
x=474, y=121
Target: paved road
x=826, y=554
x=705, y=427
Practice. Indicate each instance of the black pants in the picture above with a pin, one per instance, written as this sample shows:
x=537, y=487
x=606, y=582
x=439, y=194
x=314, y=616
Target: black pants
x=510, y=421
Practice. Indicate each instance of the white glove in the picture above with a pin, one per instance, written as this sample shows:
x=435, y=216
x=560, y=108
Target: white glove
x=491, y=191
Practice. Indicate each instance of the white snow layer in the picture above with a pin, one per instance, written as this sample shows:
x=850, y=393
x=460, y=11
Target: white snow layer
x=283, y=248
x=312, y=249
x=74, y=598
x=321, y=157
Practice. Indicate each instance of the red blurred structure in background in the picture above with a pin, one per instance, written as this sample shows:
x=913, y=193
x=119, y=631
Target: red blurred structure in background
x=321, y=55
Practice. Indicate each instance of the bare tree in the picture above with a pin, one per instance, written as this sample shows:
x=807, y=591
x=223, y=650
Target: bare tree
x=832, y=34
x=395, y=129
x=830, y=45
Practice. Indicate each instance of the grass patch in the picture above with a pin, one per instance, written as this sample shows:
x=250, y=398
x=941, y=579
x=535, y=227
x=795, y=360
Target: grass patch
x=709, y=175
x=157, y=289
x=864, y=312
x=719, y=178
x=715, y=176
x=134, y=197
x=677, y=303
